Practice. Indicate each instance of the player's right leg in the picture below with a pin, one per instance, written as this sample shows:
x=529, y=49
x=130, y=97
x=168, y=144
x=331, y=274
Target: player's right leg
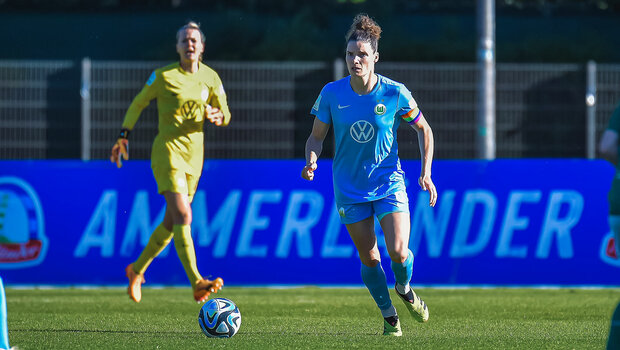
x=363, y=236
x=393, y=212
x=135, y=272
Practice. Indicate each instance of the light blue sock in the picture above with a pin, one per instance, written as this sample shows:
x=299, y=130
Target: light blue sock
x=374, y=279
x=404, y=271
x=4, y=331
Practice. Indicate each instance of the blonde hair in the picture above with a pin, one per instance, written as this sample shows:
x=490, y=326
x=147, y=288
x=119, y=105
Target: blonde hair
x=364, y=29
x=191, y=25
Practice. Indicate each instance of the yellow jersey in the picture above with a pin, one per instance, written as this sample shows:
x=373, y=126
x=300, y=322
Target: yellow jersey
x=181, y=101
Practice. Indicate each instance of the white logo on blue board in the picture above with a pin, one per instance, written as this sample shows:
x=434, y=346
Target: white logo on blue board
x=362, y=131
x=22, y=233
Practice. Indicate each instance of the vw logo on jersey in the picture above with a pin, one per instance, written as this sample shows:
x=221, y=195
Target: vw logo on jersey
x=190, y=109
x=380, y=109
x=362, y=131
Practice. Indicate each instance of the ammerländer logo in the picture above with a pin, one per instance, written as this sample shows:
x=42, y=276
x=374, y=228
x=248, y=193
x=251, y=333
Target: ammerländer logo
x=22, y=232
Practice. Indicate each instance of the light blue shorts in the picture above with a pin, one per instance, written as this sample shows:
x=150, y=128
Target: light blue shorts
x=352, y=213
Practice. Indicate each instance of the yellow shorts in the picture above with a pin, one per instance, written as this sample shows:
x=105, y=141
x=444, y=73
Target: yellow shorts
x=175, y=181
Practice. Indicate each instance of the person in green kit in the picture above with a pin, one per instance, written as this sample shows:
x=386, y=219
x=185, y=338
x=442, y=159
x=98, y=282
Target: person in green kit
x=187, y=93
x=608, y=148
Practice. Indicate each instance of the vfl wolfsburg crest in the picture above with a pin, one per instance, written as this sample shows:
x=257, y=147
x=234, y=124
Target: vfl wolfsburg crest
x=380, y=109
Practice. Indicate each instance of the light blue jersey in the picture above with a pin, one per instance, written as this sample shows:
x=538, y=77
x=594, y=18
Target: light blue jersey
x=366, y=165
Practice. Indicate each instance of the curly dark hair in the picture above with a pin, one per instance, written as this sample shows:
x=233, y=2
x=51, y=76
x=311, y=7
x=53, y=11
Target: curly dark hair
x=364, y=29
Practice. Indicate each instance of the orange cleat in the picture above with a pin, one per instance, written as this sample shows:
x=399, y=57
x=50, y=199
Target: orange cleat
x=205, y=287
x=135, y=284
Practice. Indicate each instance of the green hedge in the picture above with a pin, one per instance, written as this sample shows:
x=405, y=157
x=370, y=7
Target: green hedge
x=309, y=34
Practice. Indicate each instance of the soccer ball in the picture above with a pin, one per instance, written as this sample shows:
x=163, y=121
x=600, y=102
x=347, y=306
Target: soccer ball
x=219, y=318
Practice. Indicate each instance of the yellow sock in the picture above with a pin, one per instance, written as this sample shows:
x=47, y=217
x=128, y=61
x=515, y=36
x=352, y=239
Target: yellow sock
x=158, y=241
x=185, y=249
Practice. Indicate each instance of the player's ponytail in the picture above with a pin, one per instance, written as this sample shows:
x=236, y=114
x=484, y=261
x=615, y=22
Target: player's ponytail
x=365, y=29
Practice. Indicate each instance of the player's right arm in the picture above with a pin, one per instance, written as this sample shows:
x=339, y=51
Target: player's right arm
x=314, y=147
x=314, y=144
x=141, y=101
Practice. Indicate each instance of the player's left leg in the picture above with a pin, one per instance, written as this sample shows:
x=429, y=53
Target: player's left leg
x=179, y=207
x=204, y=287
x=363, y=236
x=393, y=215
x=184, y=245
x=179, y=204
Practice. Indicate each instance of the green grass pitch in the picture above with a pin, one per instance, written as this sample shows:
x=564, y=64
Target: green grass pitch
x=311, y=318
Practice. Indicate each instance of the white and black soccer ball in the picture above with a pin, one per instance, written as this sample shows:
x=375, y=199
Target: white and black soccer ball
x=219, y=318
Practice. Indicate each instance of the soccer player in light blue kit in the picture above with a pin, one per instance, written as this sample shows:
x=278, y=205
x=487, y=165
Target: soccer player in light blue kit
x=365, y=110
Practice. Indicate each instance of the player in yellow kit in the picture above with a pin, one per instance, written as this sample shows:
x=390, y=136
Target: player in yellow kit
x=187, y=93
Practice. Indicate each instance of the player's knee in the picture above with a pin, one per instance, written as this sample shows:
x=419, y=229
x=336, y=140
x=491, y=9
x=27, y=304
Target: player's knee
x=182, y=217
x=168, y=222
x=398, y=256
x=370, y=262
x=186, y=217
x=371, y=258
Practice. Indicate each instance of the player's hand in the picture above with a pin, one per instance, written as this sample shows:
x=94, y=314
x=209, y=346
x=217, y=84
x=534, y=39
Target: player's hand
x=427, y=184
x=120, y=149
x=308, y=171
x=214, y=115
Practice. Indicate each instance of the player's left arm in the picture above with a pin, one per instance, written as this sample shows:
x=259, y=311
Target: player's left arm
x=426, y=142
x=409, y=111
x=217, y=111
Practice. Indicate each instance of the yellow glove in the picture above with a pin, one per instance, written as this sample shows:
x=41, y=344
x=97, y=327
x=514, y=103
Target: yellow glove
x=120, y=148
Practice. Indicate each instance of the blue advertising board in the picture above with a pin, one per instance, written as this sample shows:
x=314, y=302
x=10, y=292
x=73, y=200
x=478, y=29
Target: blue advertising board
x=256, y=222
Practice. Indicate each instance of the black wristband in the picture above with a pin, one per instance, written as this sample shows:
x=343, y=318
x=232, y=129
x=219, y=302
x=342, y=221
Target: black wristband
x=124, y=133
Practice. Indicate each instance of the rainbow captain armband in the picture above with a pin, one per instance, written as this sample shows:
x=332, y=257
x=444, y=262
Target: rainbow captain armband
x=412, y=116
